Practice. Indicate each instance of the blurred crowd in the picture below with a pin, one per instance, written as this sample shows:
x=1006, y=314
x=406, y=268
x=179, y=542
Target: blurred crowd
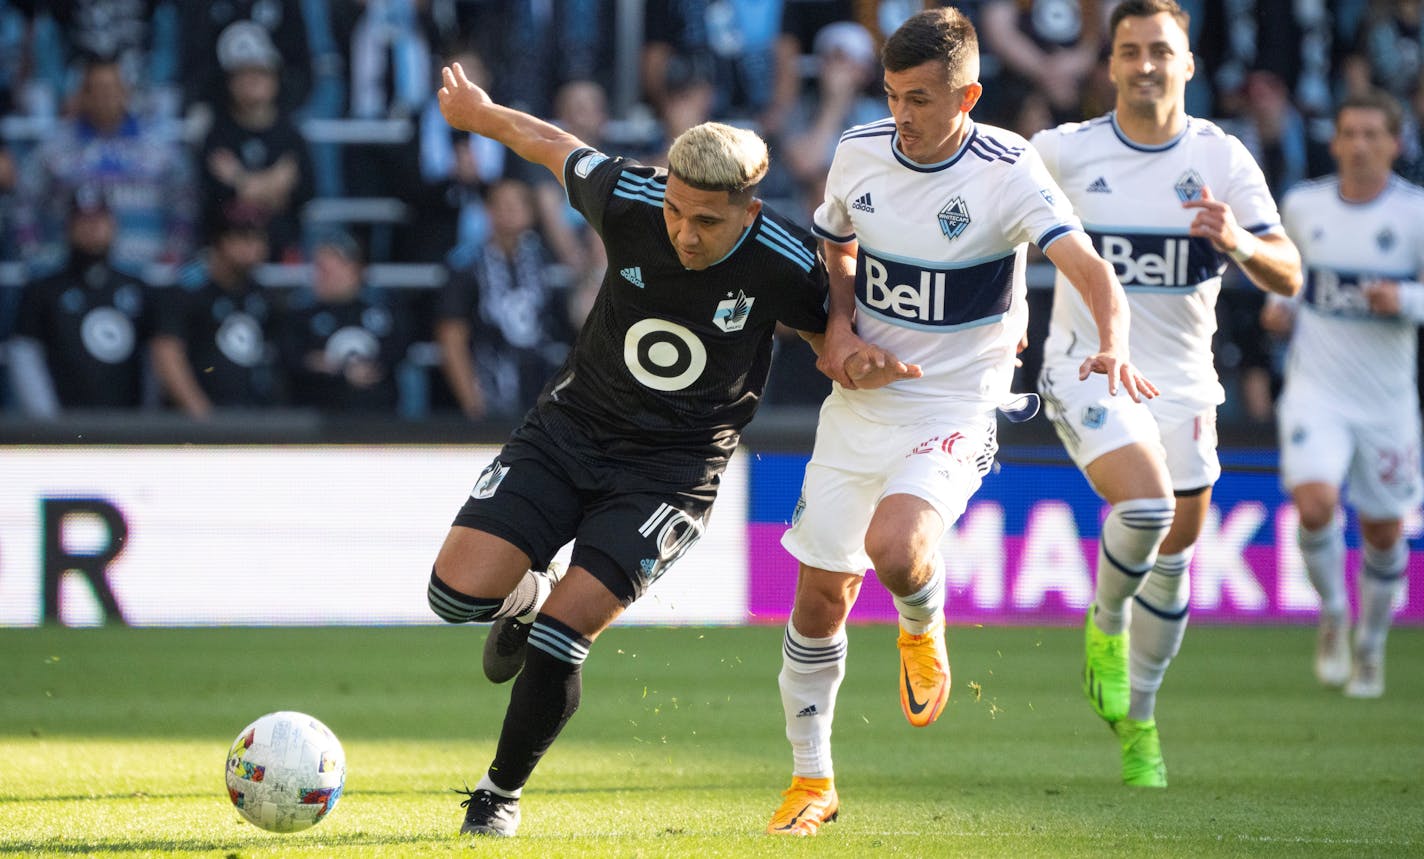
x=209, y=205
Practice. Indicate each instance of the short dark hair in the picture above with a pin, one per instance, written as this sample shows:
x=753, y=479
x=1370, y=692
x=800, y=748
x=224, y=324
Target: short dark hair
x=1374, y=99
x=1146, y=9
x=944, y=34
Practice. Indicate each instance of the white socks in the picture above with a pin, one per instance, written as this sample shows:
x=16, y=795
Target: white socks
x=1381, y=577
x=811, y=673
x=1324, y=554
x=924, y=608
x=1158, y=623
x=1127, y=549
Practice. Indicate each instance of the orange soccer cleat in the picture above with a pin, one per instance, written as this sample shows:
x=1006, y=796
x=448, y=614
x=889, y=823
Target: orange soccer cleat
x=924, y=675
x=807, y=804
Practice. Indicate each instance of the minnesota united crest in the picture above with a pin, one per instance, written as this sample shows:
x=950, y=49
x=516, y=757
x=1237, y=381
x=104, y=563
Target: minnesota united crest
x=490, y=480
x=954, y=218
x=732, y=314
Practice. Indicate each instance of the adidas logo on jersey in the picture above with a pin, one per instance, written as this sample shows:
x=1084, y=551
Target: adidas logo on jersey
x=863, y=203
x=1099, y=186
x=633, y=275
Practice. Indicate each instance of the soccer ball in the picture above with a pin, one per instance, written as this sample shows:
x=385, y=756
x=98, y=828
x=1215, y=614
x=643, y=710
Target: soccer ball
x=285, y=771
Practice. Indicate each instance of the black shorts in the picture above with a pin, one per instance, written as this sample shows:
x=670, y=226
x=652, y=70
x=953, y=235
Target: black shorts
x=627, y=530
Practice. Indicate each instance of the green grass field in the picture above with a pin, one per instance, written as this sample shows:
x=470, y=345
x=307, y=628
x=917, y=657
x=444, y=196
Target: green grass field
x=112, y=743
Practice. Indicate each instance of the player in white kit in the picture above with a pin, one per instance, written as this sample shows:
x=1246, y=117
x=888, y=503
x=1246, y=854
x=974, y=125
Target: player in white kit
x=1167, y=199
x=1349, y=414
x=926, y=221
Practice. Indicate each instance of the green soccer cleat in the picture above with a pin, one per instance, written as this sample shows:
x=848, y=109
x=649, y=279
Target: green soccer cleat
x=1105, y=670
x=1142, y=764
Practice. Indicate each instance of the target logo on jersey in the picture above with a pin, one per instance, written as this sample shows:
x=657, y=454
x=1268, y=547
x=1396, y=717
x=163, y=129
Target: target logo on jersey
x=663, y=355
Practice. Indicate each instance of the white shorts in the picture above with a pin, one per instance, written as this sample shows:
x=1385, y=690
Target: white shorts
x=857, y=462
x=1092, y=422
x=1378, y=464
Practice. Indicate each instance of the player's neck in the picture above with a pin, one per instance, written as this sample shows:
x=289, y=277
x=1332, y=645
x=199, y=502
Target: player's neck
x=1152, y=128
x=1362, y=188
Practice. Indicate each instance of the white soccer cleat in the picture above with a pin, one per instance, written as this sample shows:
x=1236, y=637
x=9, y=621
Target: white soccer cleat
x=1332, y=651
x=1366, y=677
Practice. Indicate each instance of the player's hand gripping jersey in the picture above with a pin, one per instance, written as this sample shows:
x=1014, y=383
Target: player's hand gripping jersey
x=1130, y=199
x=940, y=263
x=671, y=362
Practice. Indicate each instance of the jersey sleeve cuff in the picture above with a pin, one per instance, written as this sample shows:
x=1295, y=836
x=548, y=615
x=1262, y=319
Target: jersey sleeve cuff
x=1053, y=235
x=830, y=236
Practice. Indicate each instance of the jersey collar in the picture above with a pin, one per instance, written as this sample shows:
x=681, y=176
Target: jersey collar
x=940, y=165
x=1143, y=147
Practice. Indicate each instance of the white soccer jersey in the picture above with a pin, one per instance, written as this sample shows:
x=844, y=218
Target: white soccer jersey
x=1130, y=199
x=1342, y=357
x=940, y=268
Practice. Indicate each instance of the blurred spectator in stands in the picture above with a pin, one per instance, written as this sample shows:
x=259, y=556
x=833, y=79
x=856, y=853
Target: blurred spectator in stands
x=1048, y=46
x=848, y=65
x=502, y=323
x=802, y=20
x=441, y=177
x=390, y=54
x=688, y=99
x=1289, y=38
x=1411, y=159
x=79, y=341
x=214, y=331
x=391, y=70
x=15, y=60
x=8, y=179
x=141, y=35
x=580, y=108
x=1389, y=51
x=1274, y=130
x=254, y=153
x=340, y=345
x=730, y=43
x=146, y=176
x=285, y=23
x=546, y=43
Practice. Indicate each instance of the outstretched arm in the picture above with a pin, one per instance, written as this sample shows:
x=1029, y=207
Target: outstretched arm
x=467, y=107
x=1073, y=254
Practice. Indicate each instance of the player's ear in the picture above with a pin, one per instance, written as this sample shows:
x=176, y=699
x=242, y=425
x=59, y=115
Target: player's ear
x=972, y=92
x=752, y=210
x=1191, y=65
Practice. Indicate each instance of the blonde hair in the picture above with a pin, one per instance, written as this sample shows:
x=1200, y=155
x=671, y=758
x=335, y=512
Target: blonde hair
x=717, y=157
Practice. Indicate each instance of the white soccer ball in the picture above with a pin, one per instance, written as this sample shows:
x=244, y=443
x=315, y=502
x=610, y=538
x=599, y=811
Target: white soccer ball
x=285, y=771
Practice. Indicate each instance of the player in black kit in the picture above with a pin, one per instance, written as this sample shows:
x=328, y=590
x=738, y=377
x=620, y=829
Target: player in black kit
x=622, y=452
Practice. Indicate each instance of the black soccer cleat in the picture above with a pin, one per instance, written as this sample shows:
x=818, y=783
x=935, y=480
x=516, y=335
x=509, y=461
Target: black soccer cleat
x=488, y=813
x=505, y=648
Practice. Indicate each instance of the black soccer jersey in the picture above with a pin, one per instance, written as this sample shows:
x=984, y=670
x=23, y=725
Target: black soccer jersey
x=671, y=362
x=92, y=320
x=229, y=337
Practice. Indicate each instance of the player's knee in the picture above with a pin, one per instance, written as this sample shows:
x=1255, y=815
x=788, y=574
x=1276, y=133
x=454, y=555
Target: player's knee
x=897, y=561
x=1381, y=534
x=1316, y=505
x=452, y=606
